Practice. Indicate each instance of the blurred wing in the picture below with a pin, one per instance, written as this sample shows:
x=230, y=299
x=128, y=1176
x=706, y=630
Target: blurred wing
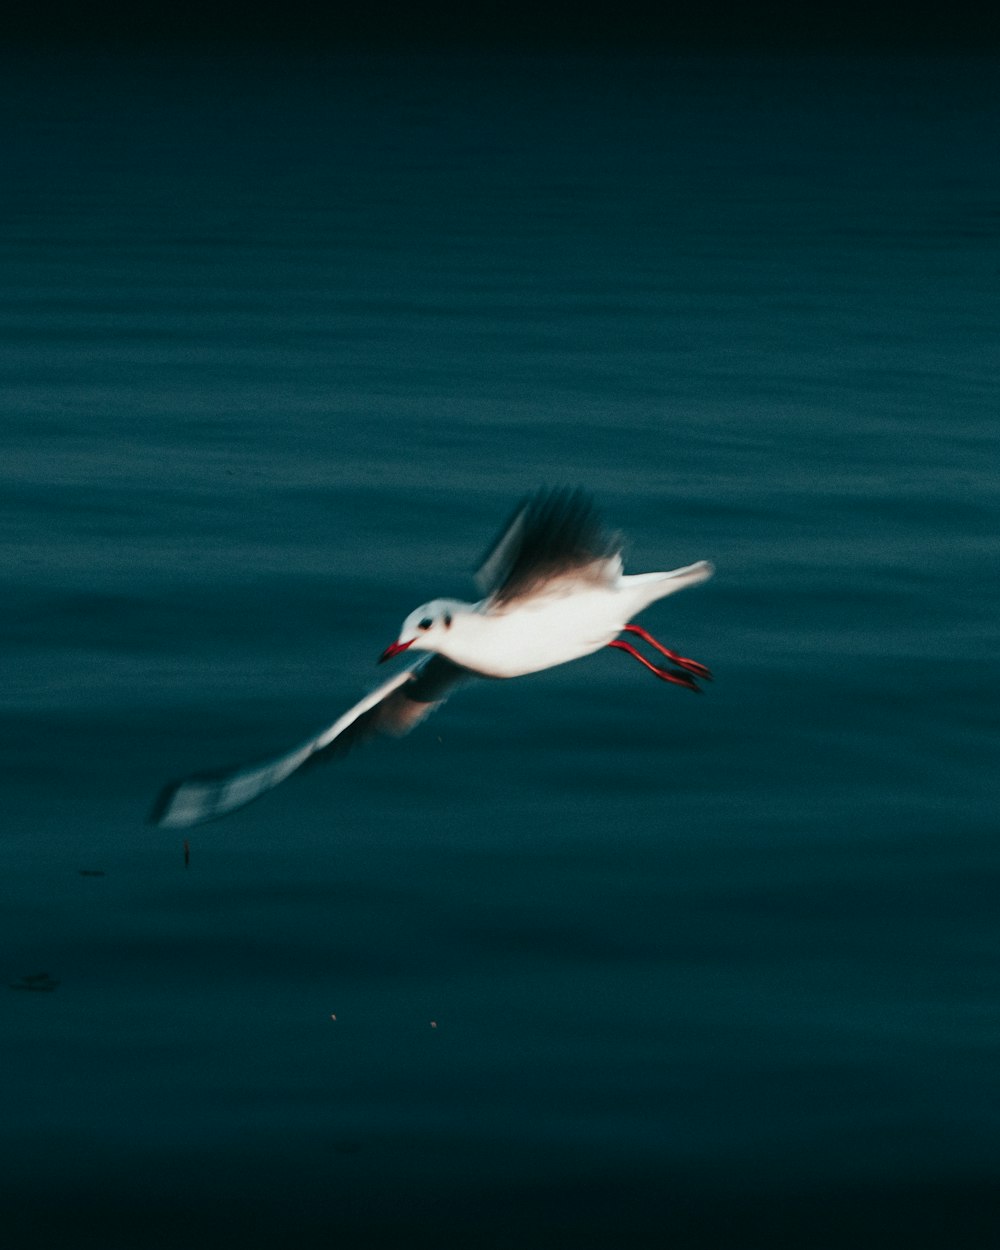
x=403, y=706
x=498, y=561
x=552, y=535
x=394, y=708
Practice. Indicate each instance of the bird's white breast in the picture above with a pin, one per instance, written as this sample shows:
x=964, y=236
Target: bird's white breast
x=535, y=634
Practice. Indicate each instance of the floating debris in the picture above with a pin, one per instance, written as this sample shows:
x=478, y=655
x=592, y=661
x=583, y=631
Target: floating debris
x=37, y=981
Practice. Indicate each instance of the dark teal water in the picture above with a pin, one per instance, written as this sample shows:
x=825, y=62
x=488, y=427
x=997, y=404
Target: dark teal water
x=282, y=341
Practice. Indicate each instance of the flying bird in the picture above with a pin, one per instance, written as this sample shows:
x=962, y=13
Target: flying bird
x=552, y=589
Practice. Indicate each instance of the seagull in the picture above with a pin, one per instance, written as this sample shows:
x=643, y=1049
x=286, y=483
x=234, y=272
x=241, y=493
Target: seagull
x=552, y=588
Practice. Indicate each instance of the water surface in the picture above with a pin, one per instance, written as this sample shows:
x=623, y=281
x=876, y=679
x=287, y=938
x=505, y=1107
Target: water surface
x=282, y=341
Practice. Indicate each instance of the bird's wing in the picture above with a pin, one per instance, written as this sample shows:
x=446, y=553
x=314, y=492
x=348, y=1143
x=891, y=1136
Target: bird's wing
x=551, y=536
x=394, y=708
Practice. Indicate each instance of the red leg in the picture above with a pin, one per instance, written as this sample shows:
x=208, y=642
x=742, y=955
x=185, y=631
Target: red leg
x=692, y=666
x=678, y=678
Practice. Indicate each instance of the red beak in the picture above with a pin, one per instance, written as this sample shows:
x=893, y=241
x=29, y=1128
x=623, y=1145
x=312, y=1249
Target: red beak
x=394, y=648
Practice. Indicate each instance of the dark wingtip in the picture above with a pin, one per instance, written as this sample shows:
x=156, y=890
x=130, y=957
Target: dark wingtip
x=162, y=804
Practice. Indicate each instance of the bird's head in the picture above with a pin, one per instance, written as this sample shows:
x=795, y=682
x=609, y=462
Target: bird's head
x=425, y=628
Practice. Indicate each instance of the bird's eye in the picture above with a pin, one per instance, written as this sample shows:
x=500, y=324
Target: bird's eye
x=426, y=623
x=447, y=620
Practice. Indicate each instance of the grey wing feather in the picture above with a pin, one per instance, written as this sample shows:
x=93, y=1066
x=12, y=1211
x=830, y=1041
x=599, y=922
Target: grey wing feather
x=427, y=686
x=500, y=558
x=550, y=535
x=395, y=707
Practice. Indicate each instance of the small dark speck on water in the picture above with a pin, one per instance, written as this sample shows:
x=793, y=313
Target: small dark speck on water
x=37, y=981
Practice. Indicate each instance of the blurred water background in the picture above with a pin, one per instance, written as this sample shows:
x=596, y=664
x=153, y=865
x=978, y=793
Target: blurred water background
x=586, y=961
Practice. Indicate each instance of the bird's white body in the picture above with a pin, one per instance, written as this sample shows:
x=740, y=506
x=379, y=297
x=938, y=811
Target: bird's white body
x=566, y=621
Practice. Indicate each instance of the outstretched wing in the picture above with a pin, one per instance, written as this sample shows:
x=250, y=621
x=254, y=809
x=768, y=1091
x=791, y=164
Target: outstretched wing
x=404, y=706
x=551, y=535
x=394, y=708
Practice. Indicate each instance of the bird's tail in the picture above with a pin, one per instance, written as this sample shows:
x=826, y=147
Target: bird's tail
x=648, y=587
